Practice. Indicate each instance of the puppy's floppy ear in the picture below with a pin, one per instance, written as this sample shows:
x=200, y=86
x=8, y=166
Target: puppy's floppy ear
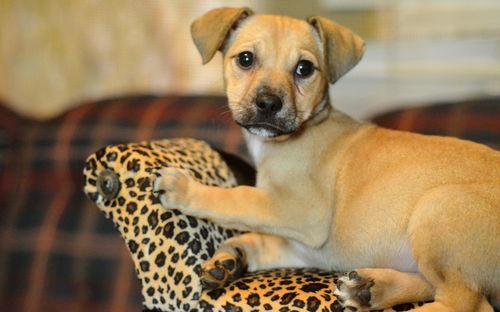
x=343, y=49
x=211, y=29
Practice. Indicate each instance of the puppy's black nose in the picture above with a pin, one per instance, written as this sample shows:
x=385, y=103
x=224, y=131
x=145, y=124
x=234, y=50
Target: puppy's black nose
x=268, y=103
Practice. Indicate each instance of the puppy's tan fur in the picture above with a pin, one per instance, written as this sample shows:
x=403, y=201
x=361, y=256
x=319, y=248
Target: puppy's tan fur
x=338, y=194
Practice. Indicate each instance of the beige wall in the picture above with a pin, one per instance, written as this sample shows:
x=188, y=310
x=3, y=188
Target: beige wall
x=56, y=53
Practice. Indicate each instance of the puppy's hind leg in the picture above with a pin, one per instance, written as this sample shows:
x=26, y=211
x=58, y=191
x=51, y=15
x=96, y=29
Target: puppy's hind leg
x=452, y=291
x=252, y=252
x=455, y=243
x=378, y=288
x=457, y=300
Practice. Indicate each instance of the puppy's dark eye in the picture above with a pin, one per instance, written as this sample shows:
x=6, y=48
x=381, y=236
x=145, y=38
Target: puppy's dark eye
x=245, y=59
x=304, y=69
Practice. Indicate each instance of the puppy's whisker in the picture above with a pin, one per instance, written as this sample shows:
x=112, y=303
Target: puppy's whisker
x=225, y=113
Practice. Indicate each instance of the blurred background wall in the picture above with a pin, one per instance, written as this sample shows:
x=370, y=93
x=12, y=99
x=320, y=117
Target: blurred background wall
x=55, y=54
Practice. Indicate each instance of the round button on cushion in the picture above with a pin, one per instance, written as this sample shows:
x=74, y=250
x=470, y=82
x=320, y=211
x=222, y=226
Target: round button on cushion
x=108, y=184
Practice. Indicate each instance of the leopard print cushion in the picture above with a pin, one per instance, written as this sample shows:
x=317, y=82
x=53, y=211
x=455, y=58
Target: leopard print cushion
x=168, y=248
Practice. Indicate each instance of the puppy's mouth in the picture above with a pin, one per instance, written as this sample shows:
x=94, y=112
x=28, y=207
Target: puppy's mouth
x=266, y=130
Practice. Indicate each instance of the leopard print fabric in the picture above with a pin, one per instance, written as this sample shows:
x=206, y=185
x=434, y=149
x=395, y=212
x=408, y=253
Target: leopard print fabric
x=168, y=248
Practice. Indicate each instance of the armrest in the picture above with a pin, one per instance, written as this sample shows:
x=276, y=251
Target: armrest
x=167, y=247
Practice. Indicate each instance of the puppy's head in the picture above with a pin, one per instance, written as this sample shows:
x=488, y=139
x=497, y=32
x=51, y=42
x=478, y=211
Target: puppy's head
x=276, y=68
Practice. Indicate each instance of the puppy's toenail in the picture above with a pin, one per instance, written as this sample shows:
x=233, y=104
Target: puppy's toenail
x=217, y=273
x=209, y=285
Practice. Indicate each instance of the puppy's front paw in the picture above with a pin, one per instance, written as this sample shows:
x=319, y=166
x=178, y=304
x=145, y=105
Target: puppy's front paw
x=222, y=269
x=172, y=187
x=354, y=291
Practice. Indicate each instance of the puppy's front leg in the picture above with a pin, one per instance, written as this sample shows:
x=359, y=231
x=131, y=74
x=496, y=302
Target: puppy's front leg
x=252, y=252
x=242, y=207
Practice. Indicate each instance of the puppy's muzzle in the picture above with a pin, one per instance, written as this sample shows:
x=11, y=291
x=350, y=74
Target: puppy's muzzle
x=265, y=121
x=268, y=116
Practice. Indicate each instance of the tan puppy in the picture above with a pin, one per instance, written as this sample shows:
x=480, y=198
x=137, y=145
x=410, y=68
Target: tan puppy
x=417, y=217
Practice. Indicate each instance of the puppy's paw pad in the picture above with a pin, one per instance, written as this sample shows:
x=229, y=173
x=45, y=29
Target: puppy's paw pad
x=354, y=291
x=221, y=270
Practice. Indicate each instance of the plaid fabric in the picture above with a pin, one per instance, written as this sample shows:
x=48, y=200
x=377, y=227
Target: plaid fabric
x=58, y=253
x=475, y=120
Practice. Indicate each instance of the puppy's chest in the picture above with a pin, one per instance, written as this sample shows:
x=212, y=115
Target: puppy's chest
x=287, y=171
x=255, y=147
x=280, y=158
x=293, y=151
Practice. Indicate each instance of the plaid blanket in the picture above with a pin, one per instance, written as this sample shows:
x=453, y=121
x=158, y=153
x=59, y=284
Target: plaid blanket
x=58, y=253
